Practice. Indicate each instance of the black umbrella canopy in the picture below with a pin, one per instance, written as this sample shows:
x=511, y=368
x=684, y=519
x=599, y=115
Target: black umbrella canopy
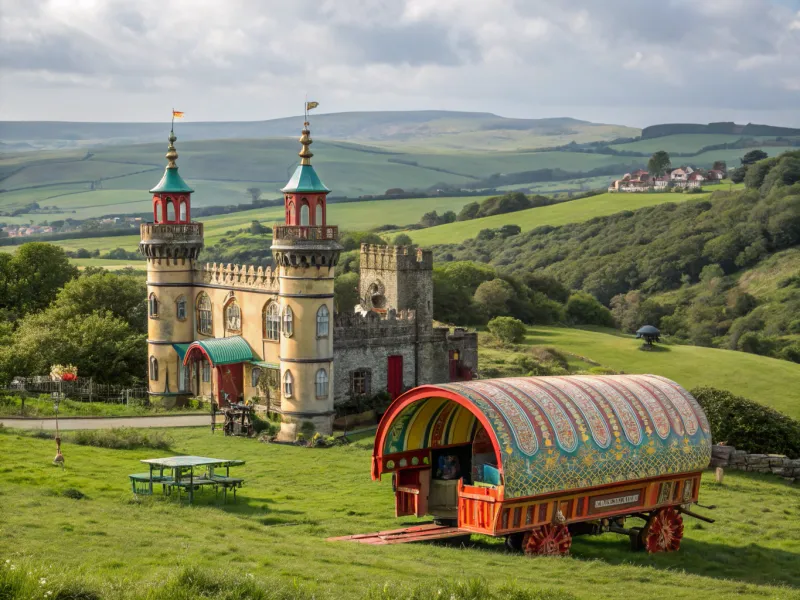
x=647, y=330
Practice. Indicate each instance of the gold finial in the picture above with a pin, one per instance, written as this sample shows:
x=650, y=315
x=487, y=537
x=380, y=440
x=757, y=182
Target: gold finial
x=172, y=154
x=305, y=139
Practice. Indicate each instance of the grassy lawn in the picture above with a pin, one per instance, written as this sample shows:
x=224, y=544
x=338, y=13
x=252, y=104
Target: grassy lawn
x=294, y=498
x=574, y=211
x=11, y=406
x=770, y=381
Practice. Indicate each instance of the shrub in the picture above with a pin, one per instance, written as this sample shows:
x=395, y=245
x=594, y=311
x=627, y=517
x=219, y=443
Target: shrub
x=121, y=439
x=507, y=329
x=748, y=425
x=584, y=309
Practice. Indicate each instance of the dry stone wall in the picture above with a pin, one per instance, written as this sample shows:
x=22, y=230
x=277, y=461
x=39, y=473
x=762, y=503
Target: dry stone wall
x=729, y=457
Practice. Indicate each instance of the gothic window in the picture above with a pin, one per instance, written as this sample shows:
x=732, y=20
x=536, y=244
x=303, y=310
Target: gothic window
x=272, y=321
x=323, y=321
x=255, y=375
x=360, y=382
x=290, y=216
x=153, y=368
x=288, y=384
x=206, y=371
x=204, y=318
x=183, y=210
x=288, y=322
x=319, y=215
x=233, y=317
x=304, y=214
x=183, y=377
x=322, y=384
x=180, y=308
x=152, y=307
x=170, y=209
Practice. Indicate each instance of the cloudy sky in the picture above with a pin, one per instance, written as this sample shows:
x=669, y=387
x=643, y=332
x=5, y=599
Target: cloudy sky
x=633, y=62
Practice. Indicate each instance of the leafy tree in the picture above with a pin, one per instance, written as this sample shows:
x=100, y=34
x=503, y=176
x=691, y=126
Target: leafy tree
x=255, y=194
x=486, y=234
x=33, y=276
x=402, y=239
x=354, y=239
x=345, y=292
x=429, y=219
x=509, y=230
x=494, y=296
x=257, y=228
x=468, y=212
x=584, y=309
x=753, y=156
x=447, y=217
x=720, y=165
x=658, y=163
x=507, y=329
x=738, y=174
x=756, y=172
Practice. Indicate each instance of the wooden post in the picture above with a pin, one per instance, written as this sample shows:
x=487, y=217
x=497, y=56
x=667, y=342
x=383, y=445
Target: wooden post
x=719, y=473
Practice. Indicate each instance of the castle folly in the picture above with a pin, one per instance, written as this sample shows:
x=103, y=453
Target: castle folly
x=238, y=332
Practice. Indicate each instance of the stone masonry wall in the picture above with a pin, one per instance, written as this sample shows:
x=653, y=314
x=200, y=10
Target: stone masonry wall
x=729, y=457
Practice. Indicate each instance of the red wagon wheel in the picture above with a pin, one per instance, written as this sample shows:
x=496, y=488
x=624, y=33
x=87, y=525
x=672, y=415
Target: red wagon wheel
x=664, y=531
x=547, y=540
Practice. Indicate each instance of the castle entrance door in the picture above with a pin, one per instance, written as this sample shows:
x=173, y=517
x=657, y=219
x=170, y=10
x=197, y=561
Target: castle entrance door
x=394, y=376
x=230, y=380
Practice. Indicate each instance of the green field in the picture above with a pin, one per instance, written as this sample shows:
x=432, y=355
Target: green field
x=685, y=142
x=770, y=381
x=294, y=498
x=574, y=211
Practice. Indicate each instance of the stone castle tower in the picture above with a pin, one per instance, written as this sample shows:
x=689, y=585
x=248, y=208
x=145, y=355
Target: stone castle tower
x=171, y=245
x=306, y=250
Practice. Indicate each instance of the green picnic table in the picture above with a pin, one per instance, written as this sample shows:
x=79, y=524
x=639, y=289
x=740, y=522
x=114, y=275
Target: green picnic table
x=183, y=475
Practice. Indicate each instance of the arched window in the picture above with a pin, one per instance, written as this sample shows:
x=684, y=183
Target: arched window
x=255, y=375
x=180, y=308
x=170, y=209
x=152, y=307
x=157, y=211
x=204, y=319
x=323, y=321
x=153, y=368
x=304, y=215
x=206, y=371
x=233, y=317
x=272, y=321
x=318, y=215
x=322, y=383
x=290, y=215
x=288, y=384
x=288, y=322
x=183, y=209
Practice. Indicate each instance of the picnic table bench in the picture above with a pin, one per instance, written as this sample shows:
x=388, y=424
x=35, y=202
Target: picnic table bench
x=182, y=476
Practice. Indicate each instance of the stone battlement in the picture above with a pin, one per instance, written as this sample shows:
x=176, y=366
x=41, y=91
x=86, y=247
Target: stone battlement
x=240, y=276
x=372, y=325
x=396, y=258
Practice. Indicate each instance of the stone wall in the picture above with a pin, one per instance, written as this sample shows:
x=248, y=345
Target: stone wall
x=729, y=457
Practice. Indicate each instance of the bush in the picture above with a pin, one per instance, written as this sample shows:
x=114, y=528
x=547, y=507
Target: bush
x=507, y=329
x=748, y=425
x=584, y=309
x=121, y=439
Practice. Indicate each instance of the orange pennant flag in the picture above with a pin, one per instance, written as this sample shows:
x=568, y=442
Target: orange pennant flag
x=177, y=114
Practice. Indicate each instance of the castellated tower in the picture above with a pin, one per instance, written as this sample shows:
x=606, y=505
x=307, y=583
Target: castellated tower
x=306, y=251
x=171, y=244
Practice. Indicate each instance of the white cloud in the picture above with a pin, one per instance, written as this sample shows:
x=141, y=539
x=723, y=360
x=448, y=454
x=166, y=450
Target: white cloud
x=248, y=59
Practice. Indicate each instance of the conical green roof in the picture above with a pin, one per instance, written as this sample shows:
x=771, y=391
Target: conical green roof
x=305, y=179
x=171, y=182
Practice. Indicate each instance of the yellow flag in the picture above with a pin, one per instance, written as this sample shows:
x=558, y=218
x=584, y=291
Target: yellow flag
x=177, y=114
x=310, y=105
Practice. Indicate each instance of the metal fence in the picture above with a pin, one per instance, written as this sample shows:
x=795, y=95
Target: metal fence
x=82, y=389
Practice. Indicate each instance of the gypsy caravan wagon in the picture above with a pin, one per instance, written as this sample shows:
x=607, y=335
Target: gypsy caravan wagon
x=540, y=459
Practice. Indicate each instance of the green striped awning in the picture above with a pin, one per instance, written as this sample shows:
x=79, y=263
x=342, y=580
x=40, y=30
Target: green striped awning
x=265, y=365
x=181, y=349
x=222, y=351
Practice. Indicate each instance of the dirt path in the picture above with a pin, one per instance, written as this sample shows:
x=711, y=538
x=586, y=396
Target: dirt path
x=66, y=423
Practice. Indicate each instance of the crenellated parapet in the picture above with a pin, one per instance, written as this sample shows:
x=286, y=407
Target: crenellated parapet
x=240, y=276
x=395, y=258
x=373, y=325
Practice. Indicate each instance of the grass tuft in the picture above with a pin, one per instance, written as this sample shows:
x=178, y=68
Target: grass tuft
x=122, y=438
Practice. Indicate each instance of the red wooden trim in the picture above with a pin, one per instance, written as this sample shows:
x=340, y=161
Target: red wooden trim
x=421, y=393
x=190, y=350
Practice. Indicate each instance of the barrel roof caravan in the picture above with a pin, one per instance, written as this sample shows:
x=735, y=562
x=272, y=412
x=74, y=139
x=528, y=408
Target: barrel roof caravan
x=540, y=459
